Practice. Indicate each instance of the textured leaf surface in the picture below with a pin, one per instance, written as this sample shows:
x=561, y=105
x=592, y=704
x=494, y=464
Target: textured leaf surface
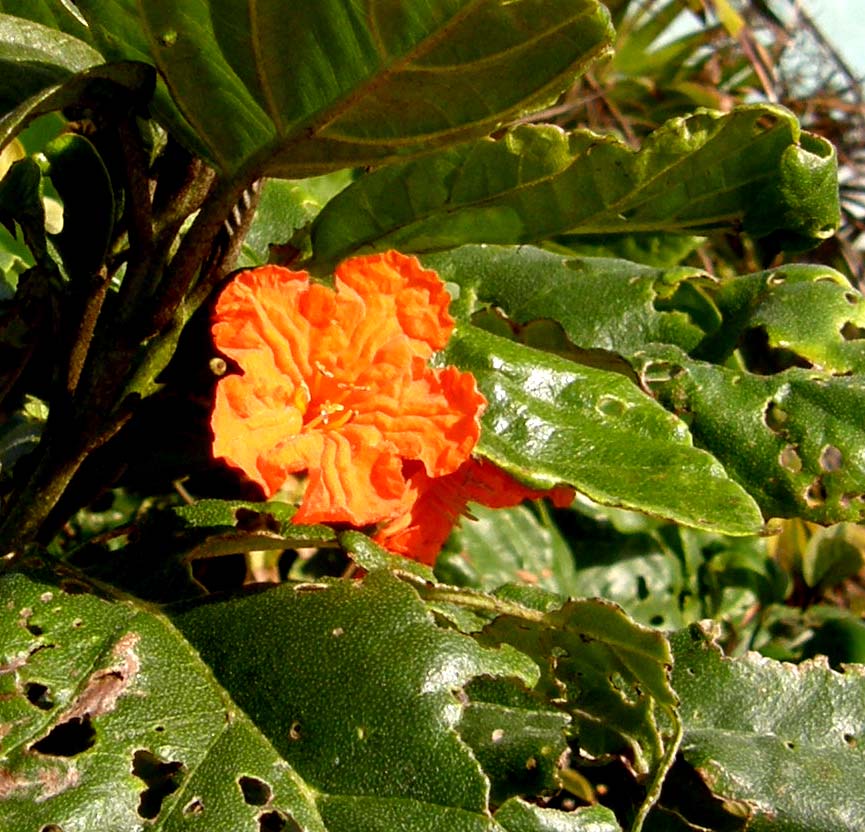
x=750, y=169
x=793, y=439
x=784, y=742
x=600, y=303
x=808, y=310
x=519, y=816
x=353, y=683
x=109, y=718
x=56, y=14
x=551, y=421
x=610, y=673
x=334, y=85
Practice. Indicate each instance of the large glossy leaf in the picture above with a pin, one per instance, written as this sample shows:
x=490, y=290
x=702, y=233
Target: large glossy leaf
x=110, y=720
x=783, y=744
x=752, y=169
x=552, y=421
x=33, y=56
x=55, y=14
x=794, y=439
x=329, y=84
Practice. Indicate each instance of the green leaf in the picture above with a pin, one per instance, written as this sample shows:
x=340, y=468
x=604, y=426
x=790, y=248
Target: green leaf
x=332, y=85
x=55, y=14
x=752, y=169
x=600, y=303
x=284, y=208
x=21, y=203
x=833, y=554
x=499, y=546
x=108, y=713
x=33, y=57
x=783, y=743
x=226, y=527
x=519, y=749
x=794, y=440
x=519, y=816
x=609, y=673
x=353, y=682
x=550, y=421
x=809, y=311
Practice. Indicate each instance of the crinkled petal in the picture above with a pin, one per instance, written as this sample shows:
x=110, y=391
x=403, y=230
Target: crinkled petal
x=420, y=300
x=437, y=503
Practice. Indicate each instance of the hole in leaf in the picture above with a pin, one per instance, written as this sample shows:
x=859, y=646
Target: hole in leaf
x=789, y=458
x=161, y=778
x=852, y=298
x=194, y=807
x=656, y=620
x=67, y=739
x=851, y=332
x=294, y=731
x=815, y=494
x=73, y=587
x=850, y=739
x=39, y=696
x=77, y=623
x=831, y=458
x=642, y=588
x=51, y=827
x=255, y=792
x=497, y=735
x=277, y=822
x=791, y=745
x=775, y=417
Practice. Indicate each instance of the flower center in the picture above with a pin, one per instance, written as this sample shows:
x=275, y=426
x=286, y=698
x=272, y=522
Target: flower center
x=330, y=415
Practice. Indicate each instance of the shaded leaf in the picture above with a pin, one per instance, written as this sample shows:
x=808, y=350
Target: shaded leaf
x=550, y=421
x=108, y=86
x=783, y=742
x=83, y=183
x=359, y=83
x=751, y=169
x=500, y=546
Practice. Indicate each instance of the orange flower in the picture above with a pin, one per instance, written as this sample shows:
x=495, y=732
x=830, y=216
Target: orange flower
x=439, y=502
x=336, y=383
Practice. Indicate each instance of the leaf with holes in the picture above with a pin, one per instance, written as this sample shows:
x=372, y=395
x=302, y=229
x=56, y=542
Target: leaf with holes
x=803, y=313
x=353, y=683
x=609, y=673
x=783, y=744
x=552, y=421
x=333, y=84
x=600, y=303
x=752, y=168
x=107, y=712
x=794, y=440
